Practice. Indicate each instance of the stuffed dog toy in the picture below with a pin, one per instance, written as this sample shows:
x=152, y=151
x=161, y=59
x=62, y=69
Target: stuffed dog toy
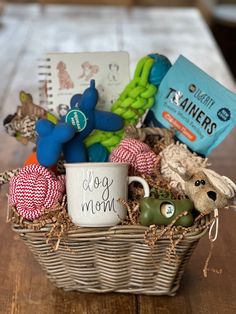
x=207, y=189
x=188, y=173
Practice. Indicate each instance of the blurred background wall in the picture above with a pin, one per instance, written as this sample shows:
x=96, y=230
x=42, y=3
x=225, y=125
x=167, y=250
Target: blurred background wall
x=136, y=2
x=219, y=14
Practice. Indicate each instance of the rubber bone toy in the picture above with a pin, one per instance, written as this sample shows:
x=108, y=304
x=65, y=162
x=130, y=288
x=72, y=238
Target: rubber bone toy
x=164, y=211
x=84, y=119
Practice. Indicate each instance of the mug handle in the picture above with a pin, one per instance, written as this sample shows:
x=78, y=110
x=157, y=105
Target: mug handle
x=143, y=182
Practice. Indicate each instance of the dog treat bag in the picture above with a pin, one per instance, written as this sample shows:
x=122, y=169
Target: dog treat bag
x=201, y=110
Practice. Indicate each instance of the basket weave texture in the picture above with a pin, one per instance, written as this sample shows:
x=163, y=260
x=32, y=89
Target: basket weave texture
x=112, y=260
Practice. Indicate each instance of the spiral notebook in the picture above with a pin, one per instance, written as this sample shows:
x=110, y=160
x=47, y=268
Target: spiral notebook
x=64, y=74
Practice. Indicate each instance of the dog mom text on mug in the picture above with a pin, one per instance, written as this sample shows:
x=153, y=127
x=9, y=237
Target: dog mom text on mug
x=101, y=187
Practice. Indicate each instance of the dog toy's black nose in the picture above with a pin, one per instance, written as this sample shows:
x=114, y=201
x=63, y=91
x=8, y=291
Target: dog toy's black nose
x=212, y=195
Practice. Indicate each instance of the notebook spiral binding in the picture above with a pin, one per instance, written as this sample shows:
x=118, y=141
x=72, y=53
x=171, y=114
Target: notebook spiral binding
x=45, y=83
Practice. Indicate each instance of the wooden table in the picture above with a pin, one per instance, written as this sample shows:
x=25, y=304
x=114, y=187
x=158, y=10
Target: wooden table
x=24, y=36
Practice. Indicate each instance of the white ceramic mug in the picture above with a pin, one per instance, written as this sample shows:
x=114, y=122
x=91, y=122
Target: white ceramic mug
x=93, y=190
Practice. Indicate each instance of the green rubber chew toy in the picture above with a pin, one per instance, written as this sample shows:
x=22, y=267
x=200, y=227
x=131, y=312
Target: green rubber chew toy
x=164, y=211
x=137, y=97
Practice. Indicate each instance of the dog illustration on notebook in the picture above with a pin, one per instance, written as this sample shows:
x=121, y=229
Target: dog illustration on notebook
x=113, y=74
x=102, y=99
x=88, y=70
x=64, y=78
x=62, y=110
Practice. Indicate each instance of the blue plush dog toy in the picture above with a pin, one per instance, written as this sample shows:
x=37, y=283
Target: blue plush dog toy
x=68, y=137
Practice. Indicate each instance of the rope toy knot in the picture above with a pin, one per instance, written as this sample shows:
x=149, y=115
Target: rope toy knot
x=24, y=126
x=136, y=153
x=35, y=189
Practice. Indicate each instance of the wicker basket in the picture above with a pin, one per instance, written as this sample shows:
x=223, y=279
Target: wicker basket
x=112, y=260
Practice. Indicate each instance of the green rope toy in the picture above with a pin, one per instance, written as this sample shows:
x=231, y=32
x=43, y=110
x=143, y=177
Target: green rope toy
x=137, y=97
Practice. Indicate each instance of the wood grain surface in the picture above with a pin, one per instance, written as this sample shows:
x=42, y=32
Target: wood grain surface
x=25, y=35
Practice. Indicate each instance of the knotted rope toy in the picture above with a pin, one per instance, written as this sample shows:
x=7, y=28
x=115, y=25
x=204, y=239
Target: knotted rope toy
x=35, y=190
x=136, y=153
x=6, y=176
x=22, y=123
x=137, y=97
x=24, y=127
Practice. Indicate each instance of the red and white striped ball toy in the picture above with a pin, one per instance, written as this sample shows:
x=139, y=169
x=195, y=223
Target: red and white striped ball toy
x=136, y=153
x=35, y=189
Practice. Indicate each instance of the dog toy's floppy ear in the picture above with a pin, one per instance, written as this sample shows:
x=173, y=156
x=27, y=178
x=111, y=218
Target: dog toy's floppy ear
x=231, y=185
x=50, y=140
x=223, y=184
x=182, y=171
